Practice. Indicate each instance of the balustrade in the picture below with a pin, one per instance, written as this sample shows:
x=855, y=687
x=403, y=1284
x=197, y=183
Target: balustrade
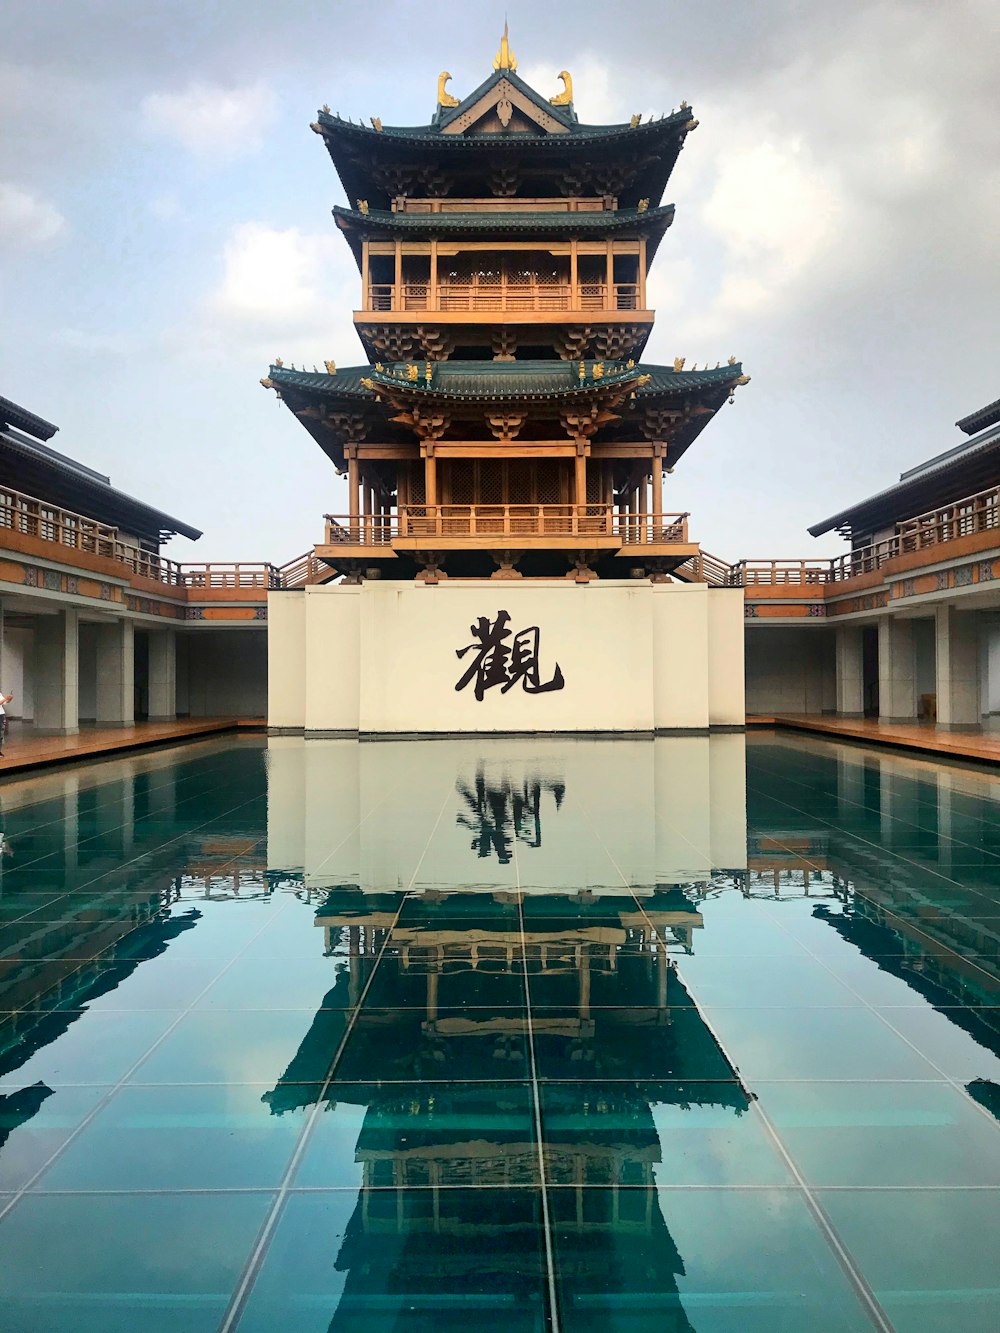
x=506, y=521
x=531, y=296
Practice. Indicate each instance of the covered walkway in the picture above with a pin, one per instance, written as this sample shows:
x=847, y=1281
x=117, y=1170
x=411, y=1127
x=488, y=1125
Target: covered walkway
x=26, y=750
x=980, y=747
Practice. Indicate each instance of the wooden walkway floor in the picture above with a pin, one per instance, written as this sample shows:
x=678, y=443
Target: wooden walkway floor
x=24, y=750
x=982, y=748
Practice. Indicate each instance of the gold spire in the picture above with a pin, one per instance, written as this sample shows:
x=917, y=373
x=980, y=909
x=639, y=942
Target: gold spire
x=505, y=57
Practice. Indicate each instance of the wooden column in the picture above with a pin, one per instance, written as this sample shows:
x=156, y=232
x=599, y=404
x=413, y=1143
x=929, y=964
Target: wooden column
x=432, y=289
x=658, y=487
x=430, y=476
x=609, y=294
x=397, y=291
x=574, y=276
x=580, y=479
x=641, y=293
x=366, y=277
x=352, y=486
x=643, y=489
x=368, y=511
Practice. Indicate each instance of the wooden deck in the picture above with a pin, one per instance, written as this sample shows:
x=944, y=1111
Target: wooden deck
x=979, y=747
x=24, y=750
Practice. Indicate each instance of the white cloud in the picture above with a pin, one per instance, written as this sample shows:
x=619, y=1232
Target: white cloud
x=25, y=219
x=210, y=120
x=287, y=292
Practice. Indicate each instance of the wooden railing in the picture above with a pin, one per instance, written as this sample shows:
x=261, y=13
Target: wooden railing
x=238, y=575
x=974, y=514
x=503, y=296
x=72, y=531
x=706, y=568
x=303, y=569
x=505, y=521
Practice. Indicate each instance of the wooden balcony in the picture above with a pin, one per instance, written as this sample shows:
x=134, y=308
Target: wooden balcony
x=512, y=297
x=485, y=526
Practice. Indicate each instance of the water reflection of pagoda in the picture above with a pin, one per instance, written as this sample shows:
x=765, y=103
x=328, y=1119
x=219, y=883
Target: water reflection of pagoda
x=437, y=1033
x=426, y=1024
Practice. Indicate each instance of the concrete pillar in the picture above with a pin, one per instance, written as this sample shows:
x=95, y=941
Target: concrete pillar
x=116, y=674
x=162, y=675
x=57, y=674
x=957, y=648
x=897, y=686
x=850, y=674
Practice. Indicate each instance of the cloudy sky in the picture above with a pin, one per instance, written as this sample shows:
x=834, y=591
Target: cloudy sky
x=165, y=232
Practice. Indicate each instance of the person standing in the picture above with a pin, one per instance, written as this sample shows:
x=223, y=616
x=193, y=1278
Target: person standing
x=4, y=701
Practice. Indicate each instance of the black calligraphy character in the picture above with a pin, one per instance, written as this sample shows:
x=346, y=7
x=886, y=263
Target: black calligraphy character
x=524, y=665
x=489, y=667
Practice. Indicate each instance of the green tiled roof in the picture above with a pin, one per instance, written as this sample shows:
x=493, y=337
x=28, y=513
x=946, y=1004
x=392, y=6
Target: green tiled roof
x=494, y=380
x=652, y=222
x=577, y=134
x=560, y=224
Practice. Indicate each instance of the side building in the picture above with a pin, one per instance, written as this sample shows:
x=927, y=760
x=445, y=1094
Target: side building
x=96, y=624
x=905, y=626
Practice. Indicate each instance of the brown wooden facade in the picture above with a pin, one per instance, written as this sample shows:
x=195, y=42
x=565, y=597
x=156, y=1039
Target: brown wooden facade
x=504, y=426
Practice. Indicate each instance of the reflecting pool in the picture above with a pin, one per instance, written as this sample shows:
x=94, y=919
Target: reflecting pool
x=694, y=1034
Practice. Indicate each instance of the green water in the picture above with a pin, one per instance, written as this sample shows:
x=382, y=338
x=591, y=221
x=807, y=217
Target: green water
x=694, y=1034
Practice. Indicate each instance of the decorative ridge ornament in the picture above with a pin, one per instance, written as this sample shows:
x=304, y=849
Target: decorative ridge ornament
x=445, y=98
x=634, y=122
x=363, y=206
x=505, y=58
x=331, y=367
x=565, y=98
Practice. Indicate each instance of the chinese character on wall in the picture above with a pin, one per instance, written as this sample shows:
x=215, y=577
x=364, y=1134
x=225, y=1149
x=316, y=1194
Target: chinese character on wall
x=496, y=661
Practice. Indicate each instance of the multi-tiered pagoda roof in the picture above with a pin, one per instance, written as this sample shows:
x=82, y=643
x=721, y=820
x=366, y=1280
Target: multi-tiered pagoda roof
x=503, y=249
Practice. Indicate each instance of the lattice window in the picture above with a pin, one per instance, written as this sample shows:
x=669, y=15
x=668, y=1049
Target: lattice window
x=491, y=487
x=547, y=481
x=463, y=482
x=519, y=481
x=418, y=494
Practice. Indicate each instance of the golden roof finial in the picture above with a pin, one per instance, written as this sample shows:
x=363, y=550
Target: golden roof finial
x=678, y=363
x=634, y=122
x=505, y=57
x=331, y=367
x=362, y=205
x=565, y=98
x=376, y=123
x=444, y=98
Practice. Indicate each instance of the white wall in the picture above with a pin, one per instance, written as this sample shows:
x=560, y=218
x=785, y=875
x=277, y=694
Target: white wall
x=790, y=670
x=384, y=657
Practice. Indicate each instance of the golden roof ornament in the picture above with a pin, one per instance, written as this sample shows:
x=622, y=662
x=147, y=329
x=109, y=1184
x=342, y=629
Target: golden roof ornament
x=428, y=372
x=743, y=379
x=731, y=361
x=376, y=123
x=678, y=363
x=643, y=205
x=505, y=57
x=278, y=361
x=367, y=383
x=363, y=206
x=565, y=98
x=412, y=371
x=267, y=383
x=634, y=121
x=326, y=109
x=331, y=367
x=643, y=380
x=445, y=98
x=598, y=370
x=684, y=106
x=583, y=371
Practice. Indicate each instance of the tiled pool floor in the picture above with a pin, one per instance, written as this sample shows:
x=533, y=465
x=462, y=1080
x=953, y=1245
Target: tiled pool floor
x=694, y=1034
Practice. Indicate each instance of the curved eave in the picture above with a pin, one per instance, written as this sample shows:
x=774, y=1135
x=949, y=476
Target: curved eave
x=356, y=150
x=431, y=136
x=359, y=227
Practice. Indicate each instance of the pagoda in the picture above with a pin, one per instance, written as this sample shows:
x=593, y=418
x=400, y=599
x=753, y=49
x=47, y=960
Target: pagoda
x=504, y=442
x=504, y=424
